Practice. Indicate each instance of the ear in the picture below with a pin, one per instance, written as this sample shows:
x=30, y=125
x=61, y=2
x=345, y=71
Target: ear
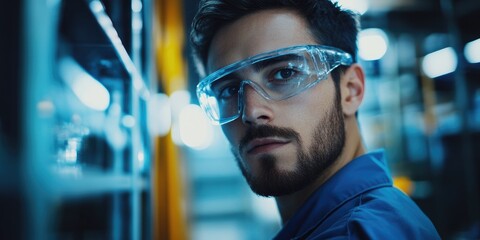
x=352, y=87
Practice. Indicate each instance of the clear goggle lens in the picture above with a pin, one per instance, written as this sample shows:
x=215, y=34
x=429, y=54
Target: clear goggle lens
x=275, y=75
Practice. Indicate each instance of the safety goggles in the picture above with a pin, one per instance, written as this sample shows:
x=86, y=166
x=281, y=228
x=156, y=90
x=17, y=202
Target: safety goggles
x=275, y=75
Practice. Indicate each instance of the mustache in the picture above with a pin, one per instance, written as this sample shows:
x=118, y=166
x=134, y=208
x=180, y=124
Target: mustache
x=263, y=131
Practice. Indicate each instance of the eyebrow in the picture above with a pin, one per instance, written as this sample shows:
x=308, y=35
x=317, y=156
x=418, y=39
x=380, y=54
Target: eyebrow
x=288, y=57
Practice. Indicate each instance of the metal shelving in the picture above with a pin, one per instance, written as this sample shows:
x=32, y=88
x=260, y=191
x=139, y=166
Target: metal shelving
x=81, y=165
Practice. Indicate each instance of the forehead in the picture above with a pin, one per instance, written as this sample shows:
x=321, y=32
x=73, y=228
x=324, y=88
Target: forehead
x=256, y=33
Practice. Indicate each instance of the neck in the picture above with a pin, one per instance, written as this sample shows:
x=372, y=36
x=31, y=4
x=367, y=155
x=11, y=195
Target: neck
x=354, y=147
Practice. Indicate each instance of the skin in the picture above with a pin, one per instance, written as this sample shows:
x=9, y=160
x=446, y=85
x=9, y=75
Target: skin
x=269, y=30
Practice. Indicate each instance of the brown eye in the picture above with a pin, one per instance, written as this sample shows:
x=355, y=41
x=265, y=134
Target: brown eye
x=228, y=91
x=284, y=75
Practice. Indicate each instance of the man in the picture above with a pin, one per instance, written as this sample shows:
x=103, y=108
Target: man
x=283, y=83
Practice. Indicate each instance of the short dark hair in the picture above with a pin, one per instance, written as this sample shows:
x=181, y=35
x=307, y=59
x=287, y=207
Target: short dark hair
x=329, y=24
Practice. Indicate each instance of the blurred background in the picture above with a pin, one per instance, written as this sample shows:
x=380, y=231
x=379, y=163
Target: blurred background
x=101, y=136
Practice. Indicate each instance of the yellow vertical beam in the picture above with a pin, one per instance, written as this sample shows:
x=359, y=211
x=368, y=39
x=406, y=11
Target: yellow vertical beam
x=170, y=42
x=170, y=221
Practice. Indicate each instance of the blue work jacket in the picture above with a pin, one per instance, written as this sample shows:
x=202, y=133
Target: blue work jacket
x=359, y=202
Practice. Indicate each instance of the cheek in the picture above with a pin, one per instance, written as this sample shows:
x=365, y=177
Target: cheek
x=232, y=132
x=304, y=115
x=300, y=113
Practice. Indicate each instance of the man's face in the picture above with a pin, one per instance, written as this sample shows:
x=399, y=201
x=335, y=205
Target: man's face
x=280, y=146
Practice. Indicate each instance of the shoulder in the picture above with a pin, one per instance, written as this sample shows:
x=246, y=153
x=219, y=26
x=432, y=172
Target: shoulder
x=386, y=212
x=382, y=213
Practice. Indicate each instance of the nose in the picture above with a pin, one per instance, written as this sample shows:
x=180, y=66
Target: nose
x=256, y=109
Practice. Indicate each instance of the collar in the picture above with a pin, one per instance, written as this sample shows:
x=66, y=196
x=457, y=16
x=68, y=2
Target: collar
x=362, y=174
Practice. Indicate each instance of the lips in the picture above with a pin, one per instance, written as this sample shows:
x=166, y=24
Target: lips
x=259, y=145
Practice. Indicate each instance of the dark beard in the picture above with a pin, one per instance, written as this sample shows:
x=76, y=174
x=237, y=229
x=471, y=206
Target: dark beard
x=327, y=145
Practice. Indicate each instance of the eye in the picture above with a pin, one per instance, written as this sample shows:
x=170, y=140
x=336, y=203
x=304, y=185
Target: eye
x=227, y=91
x=284, y=75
